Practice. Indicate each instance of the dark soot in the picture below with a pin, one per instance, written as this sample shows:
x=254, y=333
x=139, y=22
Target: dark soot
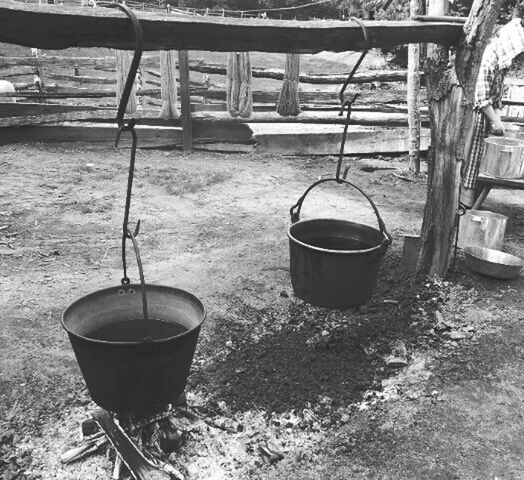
x=137, y=331
x=337, y=243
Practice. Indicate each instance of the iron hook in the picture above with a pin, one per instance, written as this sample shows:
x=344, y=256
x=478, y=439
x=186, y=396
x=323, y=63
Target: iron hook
x=133, y=69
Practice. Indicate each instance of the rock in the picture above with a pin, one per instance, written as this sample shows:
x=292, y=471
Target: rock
x=344, y=418
x=399, y=349
x=457, y=335
x=442, y=325
x=284, y=294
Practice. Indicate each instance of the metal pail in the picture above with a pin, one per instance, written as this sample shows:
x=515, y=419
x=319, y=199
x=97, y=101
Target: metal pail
x=134, y=377
x=334, y=263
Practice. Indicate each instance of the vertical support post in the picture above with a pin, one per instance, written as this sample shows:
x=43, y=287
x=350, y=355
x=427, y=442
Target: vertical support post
x=185, y=101
x=123, y=63
x=413, y=87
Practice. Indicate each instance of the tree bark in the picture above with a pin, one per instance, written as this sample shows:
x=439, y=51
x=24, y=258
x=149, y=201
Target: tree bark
x=450, y=94
x=413, y=86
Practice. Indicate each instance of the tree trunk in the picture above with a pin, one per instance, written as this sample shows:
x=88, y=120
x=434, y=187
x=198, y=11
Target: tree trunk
x=413, y=86
x=450, y=94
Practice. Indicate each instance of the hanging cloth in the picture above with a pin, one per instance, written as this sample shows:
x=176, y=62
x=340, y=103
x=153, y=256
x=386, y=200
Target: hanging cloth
x=239, y=94
x=168, y=88
x=288, y=101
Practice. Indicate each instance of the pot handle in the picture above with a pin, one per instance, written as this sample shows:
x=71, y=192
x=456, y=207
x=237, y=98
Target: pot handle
x=295, y=209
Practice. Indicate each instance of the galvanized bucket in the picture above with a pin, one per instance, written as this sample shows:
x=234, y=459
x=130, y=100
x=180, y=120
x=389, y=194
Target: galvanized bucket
x=334, y=263
x=134, y=376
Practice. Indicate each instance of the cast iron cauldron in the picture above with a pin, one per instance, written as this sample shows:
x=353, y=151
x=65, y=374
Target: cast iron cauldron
x=334, y=263
x=134, y=377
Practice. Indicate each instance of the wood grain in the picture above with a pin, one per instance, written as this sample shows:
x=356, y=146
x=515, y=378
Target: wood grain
x=58, y=27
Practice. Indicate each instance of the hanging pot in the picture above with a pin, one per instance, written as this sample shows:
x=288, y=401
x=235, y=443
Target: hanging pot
x=334, y=263
x=130, y=364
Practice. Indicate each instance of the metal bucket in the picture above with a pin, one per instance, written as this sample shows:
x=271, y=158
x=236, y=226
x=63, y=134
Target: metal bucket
x=482, y=228
x=334, y=263
x=134, y=376
x=503, y=158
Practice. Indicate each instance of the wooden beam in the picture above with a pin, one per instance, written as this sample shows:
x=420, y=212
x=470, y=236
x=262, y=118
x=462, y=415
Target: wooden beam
x=152, y=61
x=82, y=79
x=185, y=101
x=58, y=27
x=149, y=60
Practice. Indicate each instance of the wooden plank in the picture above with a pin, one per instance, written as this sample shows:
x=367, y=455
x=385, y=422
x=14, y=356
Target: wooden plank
x=316, y=79
x=58, y=27
x=326, y=98
x=361, y=140
x=82, y=79
x=9, y=109
x=149, y=60
x=28, y=120
x=185, y=101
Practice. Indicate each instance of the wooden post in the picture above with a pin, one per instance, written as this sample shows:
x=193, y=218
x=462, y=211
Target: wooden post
x=168, y=84
x=413, y=86
x=185, y=101
x=123, y=63
x=451, y=99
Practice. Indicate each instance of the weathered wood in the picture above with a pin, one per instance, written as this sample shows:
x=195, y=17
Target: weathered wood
x=439, y=18
x=27, y=120
x=55, y=91
x=389, y=119
x=152, y=61
x=451, y=93
x=82, y=79
x=58, y=27
x=185, y=101
x=138, y=465
x=149, y=60
x=168, y=86
x=319, y=79
x=123, y=64
x=325, y=98
x=26, y=109
x=413, y=87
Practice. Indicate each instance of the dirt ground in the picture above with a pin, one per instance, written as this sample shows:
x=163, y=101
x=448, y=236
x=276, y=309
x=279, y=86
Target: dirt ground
x=314, y=383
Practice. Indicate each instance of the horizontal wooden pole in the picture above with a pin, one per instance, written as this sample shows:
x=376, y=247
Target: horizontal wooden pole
x=149, y=60
x=318, y=79
x=58, y=27
x=81, y=78
x=440, y=18
x=108, y=64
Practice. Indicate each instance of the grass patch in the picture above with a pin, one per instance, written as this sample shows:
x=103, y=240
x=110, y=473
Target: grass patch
x=180, y=183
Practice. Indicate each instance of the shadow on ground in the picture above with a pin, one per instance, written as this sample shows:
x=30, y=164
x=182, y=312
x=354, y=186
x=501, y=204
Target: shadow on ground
x=279, y=359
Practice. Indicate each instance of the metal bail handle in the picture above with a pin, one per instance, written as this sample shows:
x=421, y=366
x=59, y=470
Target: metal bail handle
x=295, y=209
x=125, y=280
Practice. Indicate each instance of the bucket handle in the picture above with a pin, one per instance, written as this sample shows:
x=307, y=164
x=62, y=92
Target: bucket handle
x=295, y=209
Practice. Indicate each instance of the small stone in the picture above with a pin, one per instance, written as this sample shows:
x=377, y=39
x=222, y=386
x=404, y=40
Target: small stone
x=457, y=335
x=284, y=294
x=344, y=418
x=325, y=333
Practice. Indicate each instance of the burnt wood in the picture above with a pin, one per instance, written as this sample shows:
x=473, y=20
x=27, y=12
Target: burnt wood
x=138, y=465
x=58, y=27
